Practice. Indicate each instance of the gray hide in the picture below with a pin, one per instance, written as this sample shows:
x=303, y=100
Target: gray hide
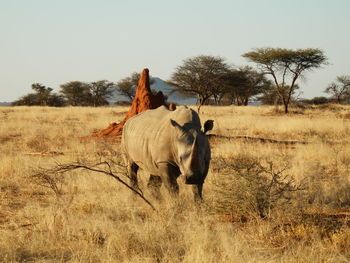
x=166, y=144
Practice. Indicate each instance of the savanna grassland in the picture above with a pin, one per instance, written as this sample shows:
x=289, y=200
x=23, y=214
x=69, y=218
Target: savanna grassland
x=278, y=190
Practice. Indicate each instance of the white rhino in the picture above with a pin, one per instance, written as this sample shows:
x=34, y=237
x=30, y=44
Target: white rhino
x=167, y=144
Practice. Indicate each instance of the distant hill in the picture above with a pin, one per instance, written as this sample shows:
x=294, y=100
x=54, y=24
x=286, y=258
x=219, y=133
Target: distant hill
x=5, y=103
x=161, y=85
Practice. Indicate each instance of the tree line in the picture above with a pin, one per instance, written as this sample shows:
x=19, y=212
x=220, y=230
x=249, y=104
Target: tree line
x=273, y=81
x=212, y=80
x=75, y=93
x=78, y=93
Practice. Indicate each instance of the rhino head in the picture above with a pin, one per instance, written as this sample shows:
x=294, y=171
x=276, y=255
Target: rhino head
x=193, y=151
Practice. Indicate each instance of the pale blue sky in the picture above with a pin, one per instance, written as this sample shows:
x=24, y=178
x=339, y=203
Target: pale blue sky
x=55, y=41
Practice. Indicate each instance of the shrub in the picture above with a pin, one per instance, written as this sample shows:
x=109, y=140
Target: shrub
x=248, y=186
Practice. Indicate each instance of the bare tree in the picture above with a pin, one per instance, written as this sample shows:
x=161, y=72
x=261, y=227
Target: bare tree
x=340, y=89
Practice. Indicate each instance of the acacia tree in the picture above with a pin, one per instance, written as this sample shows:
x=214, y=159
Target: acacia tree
x=30, y=99
x=43, y=96
x=100, y=91
x=286, y=66
x=201, y=76
x=269, y=95
x=244, y=83
x=76, y=93
x=340, y=89
x=43, y=93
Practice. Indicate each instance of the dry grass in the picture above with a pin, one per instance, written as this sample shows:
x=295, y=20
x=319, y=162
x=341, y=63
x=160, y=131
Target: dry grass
x=95, y=219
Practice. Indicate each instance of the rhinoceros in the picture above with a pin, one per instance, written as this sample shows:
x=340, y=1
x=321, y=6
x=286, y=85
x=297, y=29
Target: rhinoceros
x=167, y=144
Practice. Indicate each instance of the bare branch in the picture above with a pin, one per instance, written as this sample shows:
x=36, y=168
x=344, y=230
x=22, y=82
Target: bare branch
x=46, y=180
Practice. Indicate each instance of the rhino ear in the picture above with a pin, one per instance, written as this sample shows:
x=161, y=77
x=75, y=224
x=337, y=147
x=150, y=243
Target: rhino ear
x=208, y=125
x=176, y=125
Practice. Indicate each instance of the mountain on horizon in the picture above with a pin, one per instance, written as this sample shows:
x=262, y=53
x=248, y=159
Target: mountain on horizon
x=161, y=85
x=5, y=103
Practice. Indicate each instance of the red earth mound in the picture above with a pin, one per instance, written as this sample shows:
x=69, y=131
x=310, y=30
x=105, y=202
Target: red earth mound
x=143, y=100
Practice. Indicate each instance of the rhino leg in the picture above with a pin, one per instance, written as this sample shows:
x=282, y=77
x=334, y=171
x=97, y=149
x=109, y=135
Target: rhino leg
x=132, y=171
x=154, y=184
x=169, y=174
x=197, y=191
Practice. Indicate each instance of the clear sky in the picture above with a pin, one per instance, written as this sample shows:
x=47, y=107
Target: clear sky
x=56, y=41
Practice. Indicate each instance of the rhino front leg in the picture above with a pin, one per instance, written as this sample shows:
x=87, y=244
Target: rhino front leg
x=172, y=186
x=154, y=184
x=132, y=171
x=198, y=188
x=169, y=174
x=197, y=191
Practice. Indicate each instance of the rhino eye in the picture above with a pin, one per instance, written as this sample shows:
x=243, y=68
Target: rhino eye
x=187, y=140
x=184, y=156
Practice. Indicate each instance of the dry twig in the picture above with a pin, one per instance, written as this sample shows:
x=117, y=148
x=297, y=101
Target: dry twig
x=46, y=180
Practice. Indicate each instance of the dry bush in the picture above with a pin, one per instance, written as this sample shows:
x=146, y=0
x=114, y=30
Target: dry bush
x=328, y=181
x=246, y=185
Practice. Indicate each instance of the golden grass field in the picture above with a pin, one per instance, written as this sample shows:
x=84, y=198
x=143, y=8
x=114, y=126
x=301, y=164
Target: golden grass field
x=264, y=201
